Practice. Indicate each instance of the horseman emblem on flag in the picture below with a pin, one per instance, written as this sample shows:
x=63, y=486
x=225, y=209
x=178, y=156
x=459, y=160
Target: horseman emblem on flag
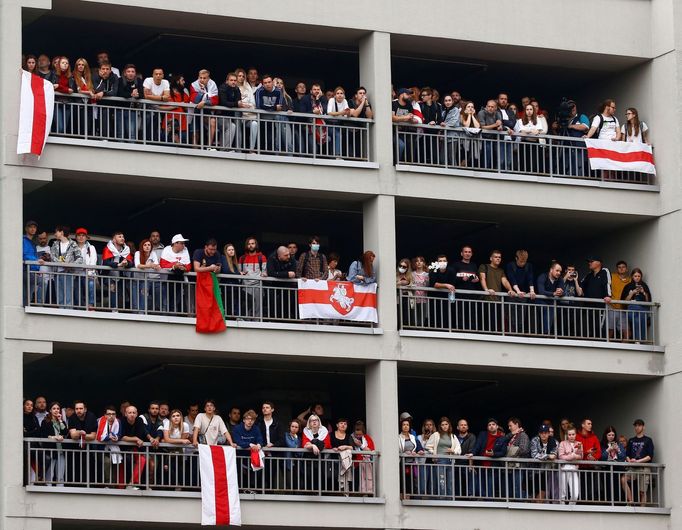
x=341, y=297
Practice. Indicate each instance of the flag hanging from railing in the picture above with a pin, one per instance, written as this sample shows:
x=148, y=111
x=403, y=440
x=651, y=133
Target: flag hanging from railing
x=209, y=304
x=620, y=156
x=219, y=486
x=36, y=107
x=337, y=300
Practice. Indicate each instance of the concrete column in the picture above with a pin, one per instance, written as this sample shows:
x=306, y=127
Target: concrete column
x=375, y=76
x=379, y=236
x=381, y=394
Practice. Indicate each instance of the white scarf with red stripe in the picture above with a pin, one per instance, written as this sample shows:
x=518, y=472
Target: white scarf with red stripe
x=104, y=432
x=219, y=487
x=36, y=108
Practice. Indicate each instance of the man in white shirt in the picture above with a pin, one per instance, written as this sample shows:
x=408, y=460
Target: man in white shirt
x=605, y=125
x=156, y=88
x=175, y=259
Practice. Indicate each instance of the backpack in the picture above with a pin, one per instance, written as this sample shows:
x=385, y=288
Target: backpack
x=305, y=263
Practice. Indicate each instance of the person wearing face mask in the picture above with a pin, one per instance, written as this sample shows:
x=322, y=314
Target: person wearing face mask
x=312, y=264
x=403, y=278
x=444, y=278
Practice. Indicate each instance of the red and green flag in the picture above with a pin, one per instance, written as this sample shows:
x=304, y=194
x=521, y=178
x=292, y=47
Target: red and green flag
x=209, y=304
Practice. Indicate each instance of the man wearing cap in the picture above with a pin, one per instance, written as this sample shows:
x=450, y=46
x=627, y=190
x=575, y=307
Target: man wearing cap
x=596, y=284
x=489, y=482
x=175, y=259
x=402, y=113
x=45, y=292
x=85, y=281
x=545, y=449
x=30, y=254
x=640, y=450
x=117, y=255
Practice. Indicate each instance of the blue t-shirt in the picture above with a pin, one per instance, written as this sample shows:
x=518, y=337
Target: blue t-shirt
x=638, y=448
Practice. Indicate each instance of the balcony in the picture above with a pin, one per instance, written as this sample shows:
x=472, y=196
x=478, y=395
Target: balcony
x=475, y=315
x=525, y=483
x=100, y=292
x=287, y=137
x=550, y=159
x=123, y=469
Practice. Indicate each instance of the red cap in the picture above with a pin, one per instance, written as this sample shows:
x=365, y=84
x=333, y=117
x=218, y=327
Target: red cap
x=81, y=230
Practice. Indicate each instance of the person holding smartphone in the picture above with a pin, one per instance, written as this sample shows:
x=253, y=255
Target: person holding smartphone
x=638, y=315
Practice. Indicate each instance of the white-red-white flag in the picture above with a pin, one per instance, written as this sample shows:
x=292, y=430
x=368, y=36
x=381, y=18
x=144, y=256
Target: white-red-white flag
x=219, y=486
x=337, y=300
x=36, y=108
x=257, y=460
x=620, y=156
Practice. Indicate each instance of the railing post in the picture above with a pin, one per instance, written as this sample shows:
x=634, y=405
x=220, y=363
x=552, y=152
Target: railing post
x=555, y=323
x=551, y=157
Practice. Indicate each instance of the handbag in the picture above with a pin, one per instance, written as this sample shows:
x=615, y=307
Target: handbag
x=202, y=435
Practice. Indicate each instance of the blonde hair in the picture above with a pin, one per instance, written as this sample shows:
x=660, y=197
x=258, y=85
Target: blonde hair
x=86, y=78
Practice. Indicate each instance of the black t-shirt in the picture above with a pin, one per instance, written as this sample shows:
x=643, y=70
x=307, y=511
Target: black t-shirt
x=136, y=429
x=87, y=424
x=638, y=297
x=338, y=443
x=466, y=270
x=440, y=276
x=597, y=285
x=204, y=260
x=401, y=110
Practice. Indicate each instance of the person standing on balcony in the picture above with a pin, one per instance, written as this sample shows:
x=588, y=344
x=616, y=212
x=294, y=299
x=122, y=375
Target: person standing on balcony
x=149, y=288
x=517, y=445
x=132, y=431
x=204, y=93
x=443, y=443
x=43, y=69
x=406, y=300
x=209, y=427
x=270, y=99
x=129, y=87
x=302, y=102
x=634, y=130
x=175, y=259
x=105, y=85
x=293, y=252
x=82, y=429
x=443, y=309
x=156, y=88
x=464, y=475
x=157, y=246
x=54, y=428
x=280, y=295
x=253, y=264
x=466, y=278
x=508, y=119
x=471, y=145
x=493, y=280
x=420, y=278
x=490, y=119
x=550, y=285
x=248, y=102
x=572, y=159
x=638, y=315
x=618, y=321
x=640, y=450
x=117, y=255
x=569, y=479
x=30, y=253
x=360, y=108
x=362, y=271
x=432, y=113
x=544, y=448
x=63, y=82
x=230, y=96
x=247, y=439
x=65, y=250
x=86, y=287
x=605, y=125
x=409, y=446
x=338, y=107
x=521, y=276
x=450, y=117
x=596, y=284
x=529, y=128
x=84, y=115
x=591, y=451
x=45, y=292
x=403, y=113
x=312, y=265
x=334, y=274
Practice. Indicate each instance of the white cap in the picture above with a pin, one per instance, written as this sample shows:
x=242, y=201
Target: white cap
x=178, y=237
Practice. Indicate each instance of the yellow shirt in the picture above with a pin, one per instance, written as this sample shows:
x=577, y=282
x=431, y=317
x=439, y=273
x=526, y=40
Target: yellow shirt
x=617, y=286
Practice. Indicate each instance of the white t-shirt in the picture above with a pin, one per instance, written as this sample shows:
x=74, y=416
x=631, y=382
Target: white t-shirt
x=335, y=106
x=156, y=90
x=175, y=434
x=211, y=428
x=608, y=129
x=152, y=259
x=267, y=429
x=635, y=138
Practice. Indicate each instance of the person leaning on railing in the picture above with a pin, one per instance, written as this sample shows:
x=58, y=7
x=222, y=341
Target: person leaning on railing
x=129, y=87
x=362, y=271
x=409, y=446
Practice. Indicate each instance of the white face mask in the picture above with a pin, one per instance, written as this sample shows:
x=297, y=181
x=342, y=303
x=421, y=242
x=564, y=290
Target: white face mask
x=443, y=265
x=402, y=270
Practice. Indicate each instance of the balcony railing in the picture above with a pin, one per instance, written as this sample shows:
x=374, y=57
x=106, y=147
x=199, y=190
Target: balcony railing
x=499, y=482
x=216, y=129
x=587, y=319
x=162, y=293
x=170, y=467
x=458, y=149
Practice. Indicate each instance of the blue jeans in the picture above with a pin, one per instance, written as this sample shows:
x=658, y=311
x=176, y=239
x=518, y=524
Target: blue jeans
x=638, y=316
x=489, y=148
x=63, y=118
x=506, y=154
x=284, y=140
x=126, y=124
x=515, y=484
x=65, y=290
x=86, y=284
x=443, y=477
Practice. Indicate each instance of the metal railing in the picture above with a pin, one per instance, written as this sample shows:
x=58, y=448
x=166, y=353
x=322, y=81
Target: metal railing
x=172, y=467
x=559, y=157
x=215, y=128
x=466, y=311
x=458, y=479
x=141, y=292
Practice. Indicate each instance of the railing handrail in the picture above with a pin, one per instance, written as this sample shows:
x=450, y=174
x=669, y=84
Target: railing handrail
x=489, y=132
x=537, y=296
x=71, y=442
x=213, y=107
x=532, y=460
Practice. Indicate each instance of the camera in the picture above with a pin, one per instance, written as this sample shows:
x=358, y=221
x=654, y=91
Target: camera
x=564, y=112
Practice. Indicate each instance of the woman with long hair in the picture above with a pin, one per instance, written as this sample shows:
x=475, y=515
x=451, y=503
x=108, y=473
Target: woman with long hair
x=362, y=270
x=471, y=146
x=176, y=432
x=529, y=128
x=230, y=265
x=638, y=315
x=285, y=136
x=450, y=118
x=83, y=79
x=403, y=278
x=63, y=82
x=444, y=443
x=175, y=124
x=147, y=292
x=634, y=130
x=409, y=446
x=53, y=428
x=248, y=102
x=30, y=64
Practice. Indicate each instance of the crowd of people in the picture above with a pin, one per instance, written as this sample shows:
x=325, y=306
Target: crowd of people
x=154, y=278
x=522, y=284
x=122, y=465
x=430, y=471
x=248, y=89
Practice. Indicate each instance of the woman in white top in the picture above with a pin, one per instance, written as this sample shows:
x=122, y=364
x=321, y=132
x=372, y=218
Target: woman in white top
x=471, y=125
x=248, y=102
x=529, y=129
x=334, y=274
x=634, y=130
x=175, y=468
x=148, y=285
x=338, y=106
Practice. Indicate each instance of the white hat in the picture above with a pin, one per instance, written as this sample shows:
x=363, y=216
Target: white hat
x=178, y=237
